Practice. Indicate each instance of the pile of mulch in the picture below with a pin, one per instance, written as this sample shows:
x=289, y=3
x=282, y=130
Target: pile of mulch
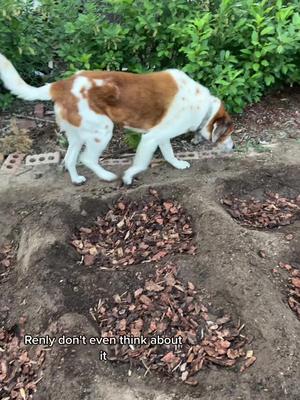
x=165, y=306
x=271, y=212
x=7, y=259
x=294, y=291
x=134, y=232
x=20, y=372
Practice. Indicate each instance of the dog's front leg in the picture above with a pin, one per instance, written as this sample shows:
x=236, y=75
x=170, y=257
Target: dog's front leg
x=168, y=154
x=198, y=138
x=143, y=157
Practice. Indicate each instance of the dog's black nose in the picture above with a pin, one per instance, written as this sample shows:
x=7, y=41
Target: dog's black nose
x=233, y=146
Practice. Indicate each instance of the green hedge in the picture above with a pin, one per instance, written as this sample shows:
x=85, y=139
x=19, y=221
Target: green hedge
x=236, y=48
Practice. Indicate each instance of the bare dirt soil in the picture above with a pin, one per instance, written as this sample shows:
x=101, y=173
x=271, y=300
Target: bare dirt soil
x=39, y=211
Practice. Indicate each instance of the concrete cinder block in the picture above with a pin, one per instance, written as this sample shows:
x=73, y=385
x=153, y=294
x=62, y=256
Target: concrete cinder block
x=116, y=161
x=184, y=155
x=187, y=155
x=12, y=163
x=27, y=124
x=44, y=158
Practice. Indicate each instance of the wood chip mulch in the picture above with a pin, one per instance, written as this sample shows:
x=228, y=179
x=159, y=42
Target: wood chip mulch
x=165, y=306
x=134, y=232
x=272, y=212
x=294, y=290
x=7, y=258
x=20, y=372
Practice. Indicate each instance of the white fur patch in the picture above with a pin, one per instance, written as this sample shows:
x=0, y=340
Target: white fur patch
x=99, y=82
x=90, y=121
x=80, y=83
x=188, y=107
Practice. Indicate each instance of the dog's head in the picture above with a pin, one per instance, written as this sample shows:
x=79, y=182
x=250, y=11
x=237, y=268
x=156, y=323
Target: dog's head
x=220, y=128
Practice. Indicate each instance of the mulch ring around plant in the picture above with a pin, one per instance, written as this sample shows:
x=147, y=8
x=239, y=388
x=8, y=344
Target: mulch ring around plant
x=20, y=372
x=163, y=326
x=294, y=288
x=134, y=232
x=271, y=212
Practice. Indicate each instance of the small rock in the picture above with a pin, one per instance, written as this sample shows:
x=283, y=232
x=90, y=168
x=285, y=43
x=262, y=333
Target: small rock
x=25, y=124
x=83, y=213
x=289, y=237
x=262, y=254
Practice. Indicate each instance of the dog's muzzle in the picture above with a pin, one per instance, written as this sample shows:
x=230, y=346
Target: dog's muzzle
x=227, y=145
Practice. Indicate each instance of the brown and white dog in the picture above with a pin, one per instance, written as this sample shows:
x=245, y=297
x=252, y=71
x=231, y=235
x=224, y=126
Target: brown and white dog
x=160, y=105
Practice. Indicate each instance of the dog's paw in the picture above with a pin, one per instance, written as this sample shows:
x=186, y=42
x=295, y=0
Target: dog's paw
x=79, y=180
x=109, y=176
x=180, y=164
x=197, y=140
x=127, y=180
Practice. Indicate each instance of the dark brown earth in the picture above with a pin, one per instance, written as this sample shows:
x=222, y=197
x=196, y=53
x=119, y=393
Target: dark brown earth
x=233, y=269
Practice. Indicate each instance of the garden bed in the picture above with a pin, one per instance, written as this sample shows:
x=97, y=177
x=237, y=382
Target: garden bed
x=247, y=327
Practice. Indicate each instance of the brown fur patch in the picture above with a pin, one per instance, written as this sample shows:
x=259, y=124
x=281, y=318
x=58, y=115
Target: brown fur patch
x=83, y=93
x=97, y=140
x=223, y=120
x=61, y=94
x=136, y=100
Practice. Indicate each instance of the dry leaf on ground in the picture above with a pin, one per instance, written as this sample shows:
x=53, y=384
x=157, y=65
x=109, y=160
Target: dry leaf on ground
x=166, y=307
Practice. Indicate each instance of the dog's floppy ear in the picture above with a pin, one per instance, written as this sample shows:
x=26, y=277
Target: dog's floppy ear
x=109, y=93
x=222, y=128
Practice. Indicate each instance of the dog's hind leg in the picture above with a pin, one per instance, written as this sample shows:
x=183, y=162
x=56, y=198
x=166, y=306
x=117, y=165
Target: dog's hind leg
x=75, y=143
x=71, y=157
x=95, y=143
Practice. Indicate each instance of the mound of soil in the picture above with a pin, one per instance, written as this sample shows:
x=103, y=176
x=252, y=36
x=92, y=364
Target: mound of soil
x=166, y=309
x=271, y=212
x=49, y=284
x=135, y=232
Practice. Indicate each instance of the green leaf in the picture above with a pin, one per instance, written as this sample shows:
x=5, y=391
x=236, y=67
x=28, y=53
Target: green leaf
x=254, y=37
x=280, y=49
x=267, y=30
x=265, y=63
x=269, y=80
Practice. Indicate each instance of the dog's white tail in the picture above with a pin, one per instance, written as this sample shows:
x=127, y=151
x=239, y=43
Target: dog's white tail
x=13, y=82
